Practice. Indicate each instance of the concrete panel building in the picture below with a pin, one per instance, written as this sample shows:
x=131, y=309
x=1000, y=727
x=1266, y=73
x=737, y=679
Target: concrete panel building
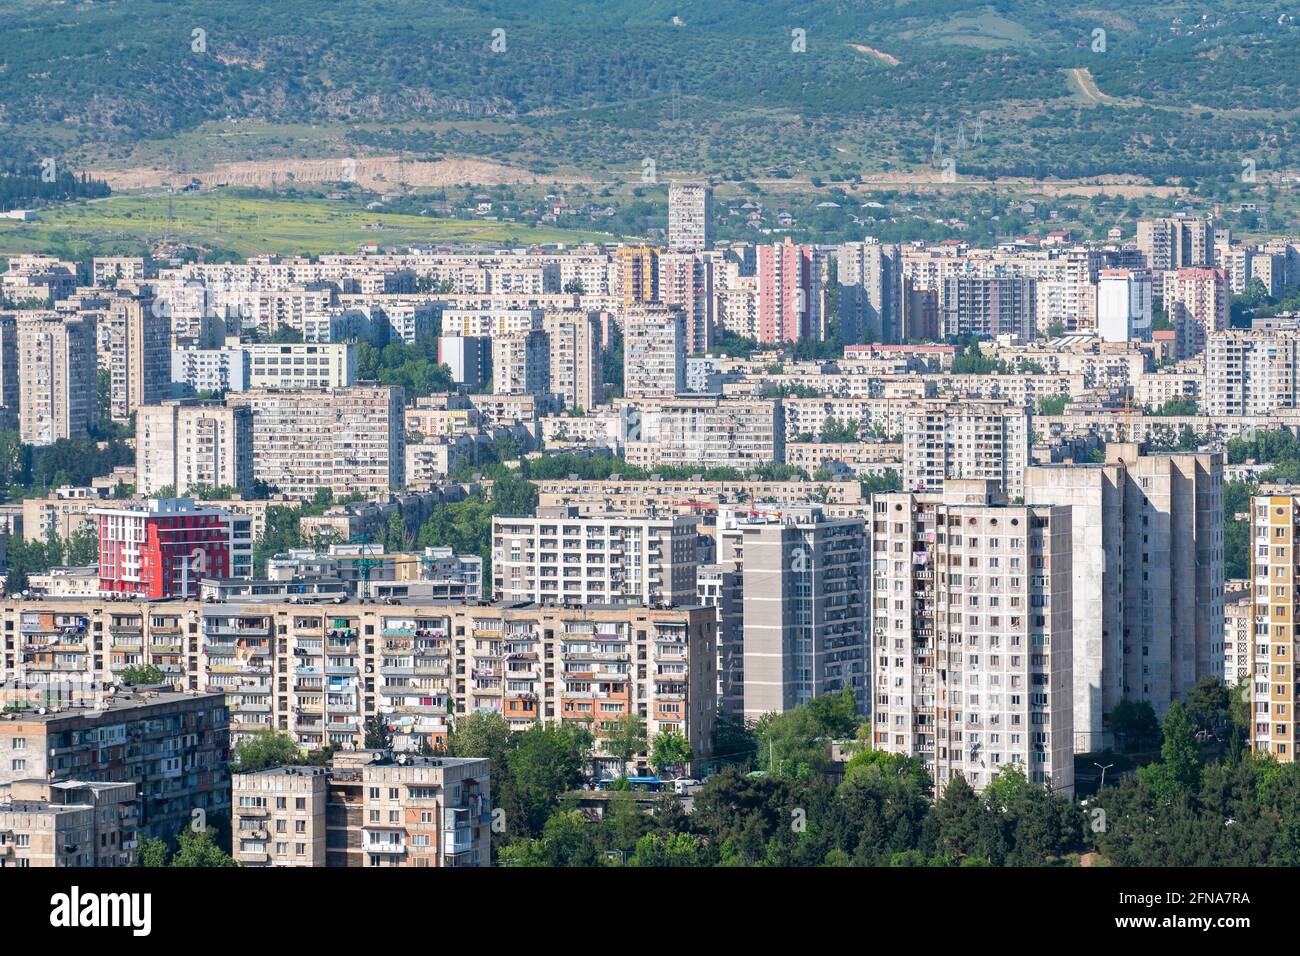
x=971, y=634
x=805, y=607
x=1148, y=551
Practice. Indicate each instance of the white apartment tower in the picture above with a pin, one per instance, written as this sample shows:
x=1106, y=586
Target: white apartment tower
x=654, y=353
x=971, y=634
x=964, y=439
x=690, y=217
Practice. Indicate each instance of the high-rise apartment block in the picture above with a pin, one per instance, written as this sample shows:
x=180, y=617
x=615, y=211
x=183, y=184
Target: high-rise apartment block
x=1253, y=374
x=1148, y=556
x=164, y=548
x=348, y=440
x=964, y=439
x=139, y=336
x=302, y=365
x=187, y=444
x=870, y=278
x=563, y=557
x=690, y=217
x=1123, y=304
x=654, y=353
x=805, y=607
x=686, y=283
x=73, y=823
x=174, y=747
x=57, y=377
x=971, y=634
x=1197, y=303
x=988, y=306
x=574, y=339
x=1274, y=534
x=789, y=293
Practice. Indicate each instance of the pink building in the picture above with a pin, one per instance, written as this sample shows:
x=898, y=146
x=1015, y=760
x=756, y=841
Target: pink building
x=1196, y=301
x=789, y=293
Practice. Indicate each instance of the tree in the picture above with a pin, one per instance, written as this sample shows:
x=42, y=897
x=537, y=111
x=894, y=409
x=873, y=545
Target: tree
x=487, y=735
x=263, y=750
x=733, y=741
x=146, y=674
x=83, y=546
x=1135, y=725
x=378, y=736
x=16, y=582
x=671, y=750
x=835, y=431
x=152, y=852
x=546, y=761
x=395, y=533
x=200, y=850
x=1180, y=753
x=678, y=849
x=624, y=737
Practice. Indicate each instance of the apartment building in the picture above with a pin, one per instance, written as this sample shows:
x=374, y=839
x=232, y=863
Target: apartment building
x=641, y=496
x=637, y=272
x=1175, y=243
x=971, y=634
x=690, y=217
x=278, y=816
x=1197, y=303
x=368, y=571
x=163, y=548
x=302, y=365
x=721, y=586
x=72, y=823
x=173, y=747
x=686, y=283
x=1148, y=551
x=1123, y=304
x=709, y=433
x=1238, y=628
x=10, y=400
x=139, y=359
x=349, y=440
x=561, y=556
x=805, y=611
x=957, y=439
x=654, y=353
x=1275, y=517
x=185, y=444
x=574, y=339
x=56, y=376
x=521, y=364
x=789, y=292
x=418, y=665
x=469, y=357
x=210, y=370
x=988, y=306
x=870, y=276
x=368, y=808
x=1251, y=373
x=117, y=269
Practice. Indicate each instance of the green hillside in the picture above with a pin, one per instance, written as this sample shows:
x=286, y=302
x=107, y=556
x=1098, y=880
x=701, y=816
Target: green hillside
x=595, y=88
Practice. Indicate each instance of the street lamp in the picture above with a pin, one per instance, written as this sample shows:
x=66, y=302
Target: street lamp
x=1103, y=773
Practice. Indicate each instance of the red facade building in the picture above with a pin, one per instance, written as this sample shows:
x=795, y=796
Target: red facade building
x=162, y=549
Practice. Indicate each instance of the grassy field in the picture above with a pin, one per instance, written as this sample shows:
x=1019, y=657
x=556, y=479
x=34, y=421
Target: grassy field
x=245, y=226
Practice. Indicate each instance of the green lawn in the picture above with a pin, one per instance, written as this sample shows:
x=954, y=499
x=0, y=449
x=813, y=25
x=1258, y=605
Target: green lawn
x=248, y=226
